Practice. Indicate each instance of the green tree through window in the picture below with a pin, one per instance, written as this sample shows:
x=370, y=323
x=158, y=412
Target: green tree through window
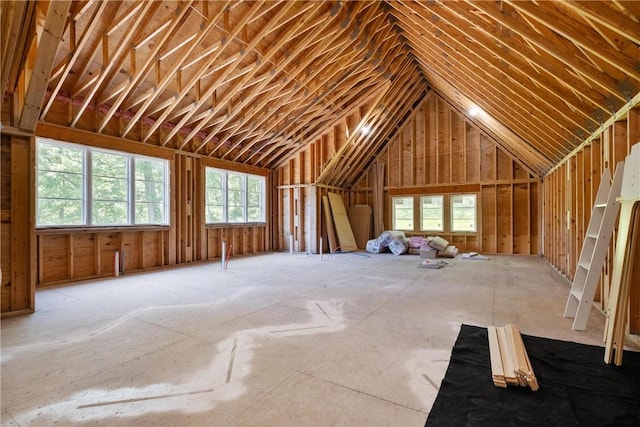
x=233, y=197
x=60, y=185
x=79, y=185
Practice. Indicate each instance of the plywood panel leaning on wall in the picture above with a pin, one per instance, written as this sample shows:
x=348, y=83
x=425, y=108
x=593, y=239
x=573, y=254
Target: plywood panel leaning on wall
x=346, y=240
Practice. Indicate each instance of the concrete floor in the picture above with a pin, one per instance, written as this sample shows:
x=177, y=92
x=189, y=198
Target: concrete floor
x=276, y=339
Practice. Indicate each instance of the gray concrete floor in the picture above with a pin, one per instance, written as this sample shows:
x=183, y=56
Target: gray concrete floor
x=278, y=339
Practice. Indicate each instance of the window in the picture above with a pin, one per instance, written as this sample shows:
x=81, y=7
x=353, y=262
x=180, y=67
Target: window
x=109, y=192
x=215, y=190
x=60, y=185
x=439, y=213
x=432, y=213
x=233, y=197
x=255, y=198
x=463, y=212
x=402, y=213
x=236, y=197
x=83, y=186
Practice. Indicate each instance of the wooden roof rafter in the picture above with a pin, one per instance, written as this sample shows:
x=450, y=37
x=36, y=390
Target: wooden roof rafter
x=375, y=19
x=266, y=56
x=597, y=79
x=326, y=121
x=250, y=96
x=551, y=68
x=314, y=126
x=18, y=31
x=205, y=97
x=158, y=89
x=490, y=100
x=188, y=86
x=624, y=23
x=511, y=75
x=360, y=150
x=301, y=67
x=50, y=32
x=579, y=36
x=116, y=57
x=169, y=28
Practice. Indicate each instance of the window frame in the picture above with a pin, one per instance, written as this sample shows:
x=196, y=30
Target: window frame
x=393, y=212
x=447, y=212
x=87, y=200
x=475, y=214
x=244, y=199
x=442, y=212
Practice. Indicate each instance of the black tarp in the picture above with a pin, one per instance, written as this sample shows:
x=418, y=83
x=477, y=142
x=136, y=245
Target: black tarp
x=576, y=387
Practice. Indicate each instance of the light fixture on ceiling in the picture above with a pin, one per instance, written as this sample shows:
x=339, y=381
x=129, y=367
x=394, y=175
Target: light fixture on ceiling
x=365, y=129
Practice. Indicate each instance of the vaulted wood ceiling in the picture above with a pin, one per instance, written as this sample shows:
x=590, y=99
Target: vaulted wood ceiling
x=254, y=82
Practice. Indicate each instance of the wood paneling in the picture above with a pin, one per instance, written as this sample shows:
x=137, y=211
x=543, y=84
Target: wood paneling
x=17, y=224
x=568, y=198
x=459, y=157
x=436, y=150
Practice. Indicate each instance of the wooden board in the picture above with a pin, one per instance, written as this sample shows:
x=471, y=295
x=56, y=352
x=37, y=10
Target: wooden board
x=346, y=240
x=360, y=219
x=328, y=220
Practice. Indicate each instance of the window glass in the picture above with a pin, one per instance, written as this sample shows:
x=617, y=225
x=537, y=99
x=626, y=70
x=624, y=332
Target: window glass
x=403, y=213
x=254, y=199
x=234, y=197
x=463, y=212
x=214, y=195
x=60, y=189
x=109, y=189
x=150, y=191
x=432, y=213
x=67, y=172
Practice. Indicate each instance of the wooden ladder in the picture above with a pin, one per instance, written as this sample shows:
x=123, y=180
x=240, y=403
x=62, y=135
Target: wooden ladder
x=594, y=248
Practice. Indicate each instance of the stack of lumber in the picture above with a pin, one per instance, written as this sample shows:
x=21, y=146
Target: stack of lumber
x=510, y=363
x=624, y=276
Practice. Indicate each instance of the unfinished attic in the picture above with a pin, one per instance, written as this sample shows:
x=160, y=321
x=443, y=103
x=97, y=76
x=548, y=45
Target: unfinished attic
x=187, y=167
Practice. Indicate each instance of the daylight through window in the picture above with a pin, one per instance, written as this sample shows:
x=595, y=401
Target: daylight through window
x=432, y=214
x=233, y=197
x=402, y=213
x=463, y=212
x=83, y=186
